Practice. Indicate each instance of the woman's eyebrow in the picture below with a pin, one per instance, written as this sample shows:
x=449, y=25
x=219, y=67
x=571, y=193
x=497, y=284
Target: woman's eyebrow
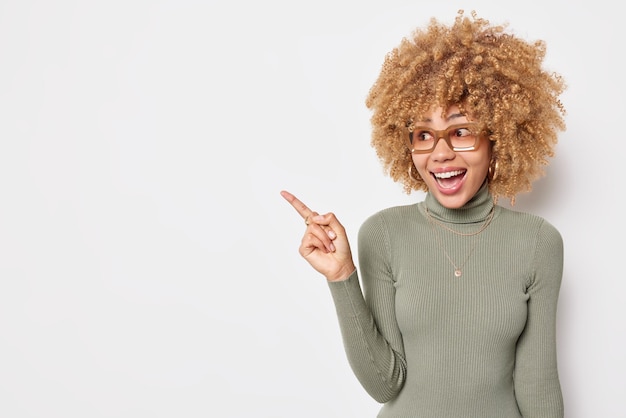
x=454, y=116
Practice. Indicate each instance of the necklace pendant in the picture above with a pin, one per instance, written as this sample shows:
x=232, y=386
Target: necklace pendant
x=458, y=273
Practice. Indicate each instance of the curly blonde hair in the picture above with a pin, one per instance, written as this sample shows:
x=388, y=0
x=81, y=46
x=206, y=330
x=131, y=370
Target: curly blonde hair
x=493, y=76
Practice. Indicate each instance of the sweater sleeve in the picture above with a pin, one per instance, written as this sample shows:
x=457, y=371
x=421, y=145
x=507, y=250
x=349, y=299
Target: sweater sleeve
x=537, y=387
x=367, y=318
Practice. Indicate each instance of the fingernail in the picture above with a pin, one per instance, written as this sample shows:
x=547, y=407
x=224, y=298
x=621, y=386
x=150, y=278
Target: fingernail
x=332, y=235
x=332, y=247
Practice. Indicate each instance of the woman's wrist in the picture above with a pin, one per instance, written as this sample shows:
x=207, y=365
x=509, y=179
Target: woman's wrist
x=342, y=274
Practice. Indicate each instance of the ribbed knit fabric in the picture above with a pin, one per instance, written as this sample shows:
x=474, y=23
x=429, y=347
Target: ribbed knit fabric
x=428, y=344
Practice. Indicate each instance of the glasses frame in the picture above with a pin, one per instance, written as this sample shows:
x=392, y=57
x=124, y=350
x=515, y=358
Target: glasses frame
x=445, y=135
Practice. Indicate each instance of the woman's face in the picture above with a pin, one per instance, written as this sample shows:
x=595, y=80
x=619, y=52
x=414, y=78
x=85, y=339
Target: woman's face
x=452, y=177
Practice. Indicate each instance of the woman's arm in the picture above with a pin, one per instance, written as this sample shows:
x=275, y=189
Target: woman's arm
x=537, y=386
x=372, y=339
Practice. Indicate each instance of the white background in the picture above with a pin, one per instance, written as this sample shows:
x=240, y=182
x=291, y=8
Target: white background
x=149, y=266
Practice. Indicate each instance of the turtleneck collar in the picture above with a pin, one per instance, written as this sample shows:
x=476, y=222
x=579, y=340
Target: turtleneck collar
x=475, y=210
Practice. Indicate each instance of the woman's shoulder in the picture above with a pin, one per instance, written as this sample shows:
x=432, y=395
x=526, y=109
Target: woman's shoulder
x=389, y=218
x=393, y=213
x=527, y=220
x=388, y=222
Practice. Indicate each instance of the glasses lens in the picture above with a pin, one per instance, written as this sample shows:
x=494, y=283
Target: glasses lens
x=422, y=139
x=462, y=136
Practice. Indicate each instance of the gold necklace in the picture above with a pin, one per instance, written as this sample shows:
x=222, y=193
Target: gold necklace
x=458, y=272
x=481, y=229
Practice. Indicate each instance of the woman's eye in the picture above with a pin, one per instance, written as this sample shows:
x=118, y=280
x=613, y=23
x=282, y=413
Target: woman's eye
x=424, y=136
x=462, y=132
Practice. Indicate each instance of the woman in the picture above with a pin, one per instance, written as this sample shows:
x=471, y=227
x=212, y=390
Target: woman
x=457, y=315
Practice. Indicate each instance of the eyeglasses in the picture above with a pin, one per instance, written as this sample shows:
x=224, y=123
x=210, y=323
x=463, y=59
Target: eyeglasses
x=459, y=137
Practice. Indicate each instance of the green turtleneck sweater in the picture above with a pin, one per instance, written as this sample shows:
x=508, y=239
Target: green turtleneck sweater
x=429, y=344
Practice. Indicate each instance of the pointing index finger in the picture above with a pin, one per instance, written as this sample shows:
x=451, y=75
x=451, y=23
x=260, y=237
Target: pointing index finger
x=297, y=204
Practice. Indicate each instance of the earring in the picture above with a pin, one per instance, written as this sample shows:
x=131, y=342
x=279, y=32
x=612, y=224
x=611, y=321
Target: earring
x=413, y=176
x=493, y=168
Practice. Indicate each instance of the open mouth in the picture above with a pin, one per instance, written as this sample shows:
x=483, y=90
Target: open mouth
x=449, y=179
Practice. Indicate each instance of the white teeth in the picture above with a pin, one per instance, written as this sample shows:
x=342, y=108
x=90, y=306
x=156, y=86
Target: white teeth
x=448, y=174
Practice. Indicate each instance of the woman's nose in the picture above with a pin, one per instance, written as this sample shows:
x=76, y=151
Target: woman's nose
x=442, y=151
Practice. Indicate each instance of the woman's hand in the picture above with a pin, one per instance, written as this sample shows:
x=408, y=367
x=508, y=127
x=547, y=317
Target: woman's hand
x=324, y=244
